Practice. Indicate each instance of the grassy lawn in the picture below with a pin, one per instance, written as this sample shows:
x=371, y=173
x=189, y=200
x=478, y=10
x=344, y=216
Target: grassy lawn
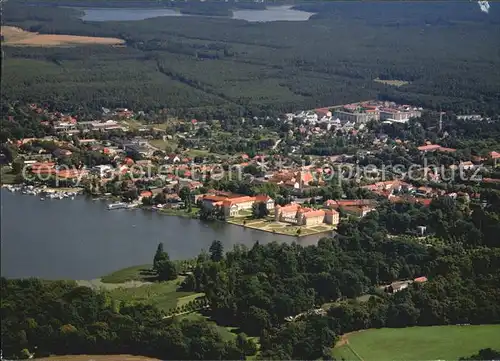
x=163, y=295
x=186, y=299
x=181, y=212
x=396, y=83
x=203, y=153
x=134, y=273
x=268, y=225
x=345, y=353
x=418, y=343
x=245, y=213
x=6, y=177
x=161, y=144
x=226, y=332
x=365, y=298
x=275, y=226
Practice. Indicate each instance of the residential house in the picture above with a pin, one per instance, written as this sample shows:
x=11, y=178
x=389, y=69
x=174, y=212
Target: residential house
x=397, y=286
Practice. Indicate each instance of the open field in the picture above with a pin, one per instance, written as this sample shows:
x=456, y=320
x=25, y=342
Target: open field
x=163, y=295
x=417, y=343
x=97, y=358
x=396, y=83
x=162, y=144
x=19, y=37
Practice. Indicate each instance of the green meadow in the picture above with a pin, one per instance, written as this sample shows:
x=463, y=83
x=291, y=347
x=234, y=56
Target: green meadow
x=417, y=343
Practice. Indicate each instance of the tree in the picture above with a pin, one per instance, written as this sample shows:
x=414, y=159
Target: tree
x=147, y=201
x=189, y=283
x=17, y=166
x=216, y=251
x=160, y=198
x=159, y=255
x=185, y=195
x=246, y=345
x=166, y=269
x=483, y=354
x=259, y=210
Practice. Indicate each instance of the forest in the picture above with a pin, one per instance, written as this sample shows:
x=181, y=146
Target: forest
x=217, y=67
x=256, y=289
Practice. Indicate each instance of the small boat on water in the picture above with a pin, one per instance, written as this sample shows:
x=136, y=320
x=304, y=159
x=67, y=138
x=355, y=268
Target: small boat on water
x=118, y=205
x=42, y=199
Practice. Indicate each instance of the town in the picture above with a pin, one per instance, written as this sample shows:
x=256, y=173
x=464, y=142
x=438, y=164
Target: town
x=297, y=175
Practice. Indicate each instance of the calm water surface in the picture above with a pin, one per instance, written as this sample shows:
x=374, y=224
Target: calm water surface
x=274, y=13
x=81, y=239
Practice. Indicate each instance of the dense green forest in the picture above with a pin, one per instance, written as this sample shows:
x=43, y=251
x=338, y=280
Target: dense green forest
x=216, y=67
x=60, y=318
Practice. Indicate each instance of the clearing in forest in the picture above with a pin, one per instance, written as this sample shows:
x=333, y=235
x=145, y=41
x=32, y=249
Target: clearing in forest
x=417, y=343
x=18, y=37
x=396, y=83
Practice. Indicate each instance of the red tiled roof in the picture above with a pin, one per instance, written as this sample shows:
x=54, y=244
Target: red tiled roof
x=491, y=180
x=450, y=150
x=289, y=207
x=262, y=198
x=237, y=200
x=331, y=211
x=429, y=147
x=46, y=165
x=424, y=201
x=316, y=213
x=494, y=155
x=354, y=202
x=213, y=198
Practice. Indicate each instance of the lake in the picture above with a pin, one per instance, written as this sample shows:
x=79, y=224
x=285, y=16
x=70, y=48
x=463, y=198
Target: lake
x=81, y=239
x=272, y=13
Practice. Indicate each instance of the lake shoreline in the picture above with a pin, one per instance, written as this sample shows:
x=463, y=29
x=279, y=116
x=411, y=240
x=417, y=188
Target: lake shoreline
x=81, y=240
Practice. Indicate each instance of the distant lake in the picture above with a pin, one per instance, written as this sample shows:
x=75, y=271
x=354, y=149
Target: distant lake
x=274, y=13
x=81, y=239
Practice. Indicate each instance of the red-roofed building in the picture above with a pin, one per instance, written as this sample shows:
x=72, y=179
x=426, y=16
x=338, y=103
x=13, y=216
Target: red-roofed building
x=494, y=155
x=296, y=214
x=420, y=279
x=233, y=204
x=491, y=180
x=429, y=147
x=358, y=207
x=146, y=194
